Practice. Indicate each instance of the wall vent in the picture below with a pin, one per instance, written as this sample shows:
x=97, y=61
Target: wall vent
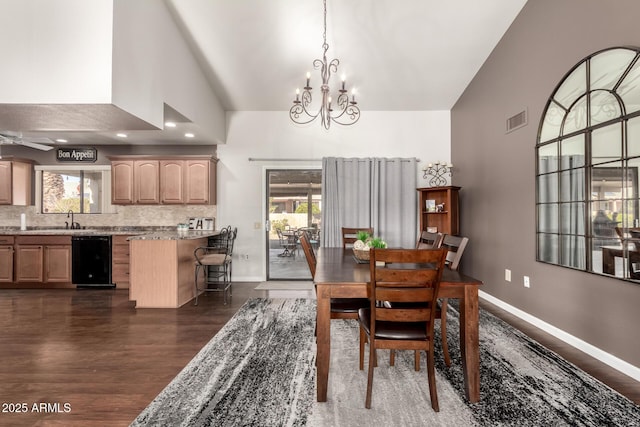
x=517, y=121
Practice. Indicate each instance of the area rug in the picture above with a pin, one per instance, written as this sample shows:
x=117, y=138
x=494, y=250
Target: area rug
x=285, y=285
x=259, y=370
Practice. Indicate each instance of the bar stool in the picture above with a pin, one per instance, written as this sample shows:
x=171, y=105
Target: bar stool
x=215, y=262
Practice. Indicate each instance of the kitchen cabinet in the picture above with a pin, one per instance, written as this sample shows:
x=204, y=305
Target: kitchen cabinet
x=200, y=182
x=57, y=263
x=446, y=221
x=122, y=182
x=146, y=181
x=6, y=259
x=16, y=182
x=120, y=261
x=29, y=263
x=159, y=180
x=172, y=181
x=43, y=259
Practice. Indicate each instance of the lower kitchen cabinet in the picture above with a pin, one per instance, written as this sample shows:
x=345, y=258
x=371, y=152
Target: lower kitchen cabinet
x=57, y=263
x=29, y=263
x=43, y=259
x=120, y=261
x=6, y=259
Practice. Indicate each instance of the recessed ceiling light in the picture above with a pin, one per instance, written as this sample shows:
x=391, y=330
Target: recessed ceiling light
x=61, y=140
x=189, y=135
x=170, y=124
x=121, y=135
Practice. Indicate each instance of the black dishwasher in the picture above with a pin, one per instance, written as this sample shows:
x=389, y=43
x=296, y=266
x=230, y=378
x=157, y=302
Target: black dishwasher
x=91, y=261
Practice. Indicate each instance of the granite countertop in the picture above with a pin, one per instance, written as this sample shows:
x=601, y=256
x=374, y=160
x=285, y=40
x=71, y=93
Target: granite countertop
x=137, y=233
x=91, y=231
x=175, y=235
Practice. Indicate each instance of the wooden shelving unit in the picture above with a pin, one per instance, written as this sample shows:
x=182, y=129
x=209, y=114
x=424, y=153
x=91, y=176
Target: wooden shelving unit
x=447, y=221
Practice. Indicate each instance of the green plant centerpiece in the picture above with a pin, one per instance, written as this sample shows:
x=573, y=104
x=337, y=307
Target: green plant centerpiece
x=365, y=242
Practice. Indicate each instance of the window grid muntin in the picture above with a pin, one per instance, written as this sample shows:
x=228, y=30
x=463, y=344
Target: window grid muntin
x=545, y=238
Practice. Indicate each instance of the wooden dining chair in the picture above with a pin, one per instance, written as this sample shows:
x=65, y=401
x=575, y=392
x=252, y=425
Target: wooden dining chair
x=350, y=235
x=341, y=308
x=428, y=240
x=455, y=246
x=411, y=277
x=309, y=254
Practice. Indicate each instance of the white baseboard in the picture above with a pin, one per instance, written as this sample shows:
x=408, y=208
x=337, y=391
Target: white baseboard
x=616, y=363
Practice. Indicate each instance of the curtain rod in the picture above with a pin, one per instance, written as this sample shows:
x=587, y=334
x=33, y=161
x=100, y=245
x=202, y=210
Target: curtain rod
x=262, y=159
x=258, y=159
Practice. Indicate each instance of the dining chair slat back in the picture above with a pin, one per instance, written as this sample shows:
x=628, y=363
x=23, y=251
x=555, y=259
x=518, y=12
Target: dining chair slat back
x=428, y=240
x=308, y=252
x=350, y=235
x=455, y=246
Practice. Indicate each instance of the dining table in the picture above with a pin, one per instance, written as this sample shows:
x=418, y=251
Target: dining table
x=340, y=275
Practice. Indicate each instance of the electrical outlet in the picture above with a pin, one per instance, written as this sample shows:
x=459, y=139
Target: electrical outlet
x=246, y=256
x=527, y=283
x=507, y=275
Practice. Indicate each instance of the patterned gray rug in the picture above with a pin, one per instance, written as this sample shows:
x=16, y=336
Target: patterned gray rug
x=259, y=370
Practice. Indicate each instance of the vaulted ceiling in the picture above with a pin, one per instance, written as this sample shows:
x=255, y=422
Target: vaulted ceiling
x=398, y=55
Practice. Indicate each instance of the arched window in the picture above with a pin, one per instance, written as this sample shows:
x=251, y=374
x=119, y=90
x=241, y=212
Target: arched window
x=587, y=161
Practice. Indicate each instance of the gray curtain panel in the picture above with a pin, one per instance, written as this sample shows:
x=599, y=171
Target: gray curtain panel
x=369, y=192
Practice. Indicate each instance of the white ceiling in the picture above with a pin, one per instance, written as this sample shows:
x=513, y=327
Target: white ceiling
x=399, y=55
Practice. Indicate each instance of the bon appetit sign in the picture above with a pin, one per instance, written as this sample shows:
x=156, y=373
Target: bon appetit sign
x=76, y=154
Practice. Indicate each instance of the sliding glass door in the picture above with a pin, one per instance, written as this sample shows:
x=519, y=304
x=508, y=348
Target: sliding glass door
x=294, y=206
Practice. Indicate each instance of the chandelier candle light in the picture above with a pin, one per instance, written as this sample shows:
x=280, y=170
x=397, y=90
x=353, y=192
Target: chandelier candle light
x=436, y=172
x=347, y=112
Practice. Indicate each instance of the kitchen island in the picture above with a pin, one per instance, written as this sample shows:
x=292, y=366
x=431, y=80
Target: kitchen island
x=162, y=267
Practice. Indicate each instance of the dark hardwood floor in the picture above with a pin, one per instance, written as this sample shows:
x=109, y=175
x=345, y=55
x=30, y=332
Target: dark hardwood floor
x=93, y=359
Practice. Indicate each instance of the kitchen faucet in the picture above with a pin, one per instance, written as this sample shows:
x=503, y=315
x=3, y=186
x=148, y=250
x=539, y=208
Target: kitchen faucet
x=74, y=225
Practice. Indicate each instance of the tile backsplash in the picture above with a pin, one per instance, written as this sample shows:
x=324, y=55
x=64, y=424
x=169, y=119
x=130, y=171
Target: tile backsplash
x=123, y=216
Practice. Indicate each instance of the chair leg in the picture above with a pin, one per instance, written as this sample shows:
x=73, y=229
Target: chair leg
x=431, y=371
x=416, y=361
x=196, y=284
x=443, y=331
x=362, y=339
x=372, y=358
x=392, y=357
x=230, y=281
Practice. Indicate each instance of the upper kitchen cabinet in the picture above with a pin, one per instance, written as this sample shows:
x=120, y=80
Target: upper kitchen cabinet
x=155, y=180
x=146, y=182
x=15, y=182
x=122, y=182
x=200, y=182
x=172, y=181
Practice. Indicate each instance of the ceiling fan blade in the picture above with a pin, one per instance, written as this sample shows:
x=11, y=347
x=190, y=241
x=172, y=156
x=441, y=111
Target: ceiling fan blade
x=33, y=145
x=37, y=139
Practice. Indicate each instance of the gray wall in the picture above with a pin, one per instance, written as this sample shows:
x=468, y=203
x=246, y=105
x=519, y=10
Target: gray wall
x=496, y=171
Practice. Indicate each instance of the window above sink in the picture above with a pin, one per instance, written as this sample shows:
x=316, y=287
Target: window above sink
x=80, y=189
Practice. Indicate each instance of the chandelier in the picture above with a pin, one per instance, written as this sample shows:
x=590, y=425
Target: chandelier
x=346, y=111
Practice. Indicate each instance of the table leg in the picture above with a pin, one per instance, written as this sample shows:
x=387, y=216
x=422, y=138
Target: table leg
x=323, y=339
x=470, y=343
